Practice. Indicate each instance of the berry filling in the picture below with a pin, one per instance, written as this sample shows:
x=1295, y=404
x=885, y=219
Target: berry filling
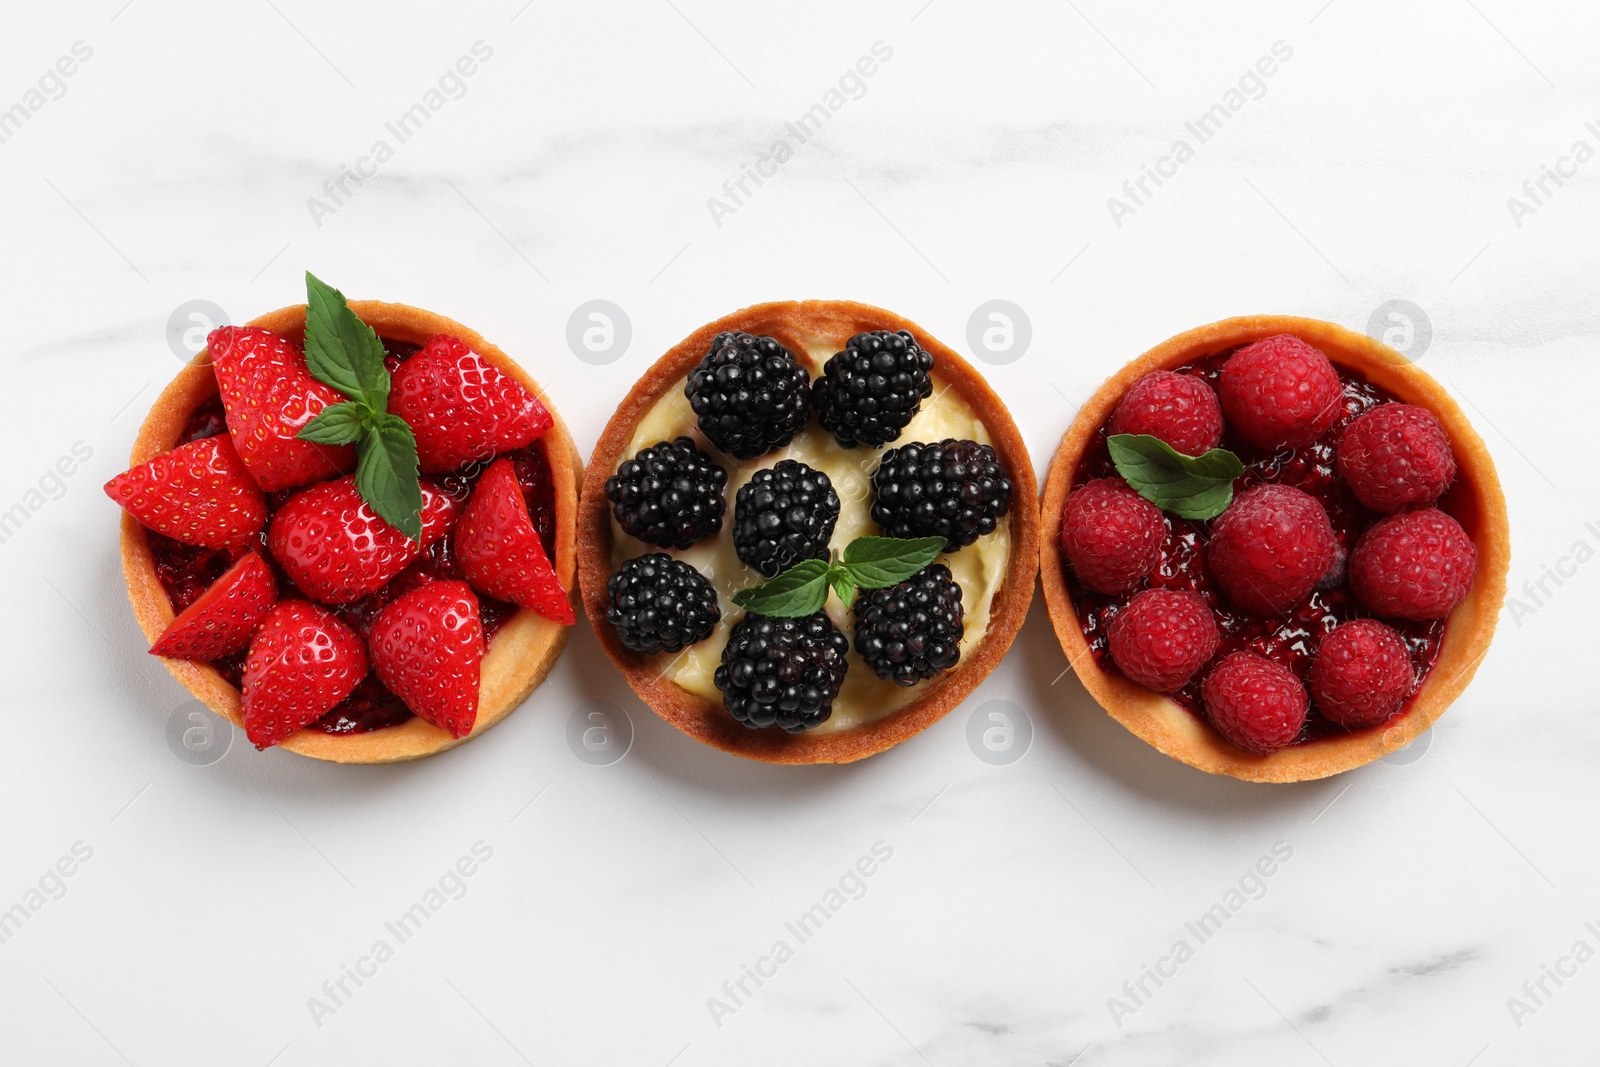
x=1290, y=639
x=187, y=571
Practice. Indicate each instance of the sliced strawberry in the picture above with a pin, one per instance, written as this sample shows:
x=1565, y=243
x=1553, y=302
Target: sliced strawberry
x=337, y=549
x=199, y=493
x=460, y=408
x=427, y=647
x=302, y=662
x=221, y=621
x=499, y=550
x=269, y=396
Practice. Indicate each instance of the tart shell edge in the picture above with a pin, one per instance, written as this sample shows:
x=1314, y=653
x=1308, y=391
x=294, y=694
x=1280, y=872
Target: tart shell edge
x=1173, y=730
x=523, y=650
x=706, y=721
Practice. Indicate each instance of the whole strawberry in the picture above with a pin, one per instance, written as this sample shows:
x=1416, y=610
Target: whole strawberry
x=461, y=408
x=1111, y=535
x=199, y=493
x=1362, y=674
x=225, y=616
x=302, y=662
x=1271, y=548
x=1180, y=409
x=336, y=549
x=500, y=551
x=1162, y=638
x=1416, y=565
x=1256, y=704
x=1279, y=392
x=269, y=396
x=1396, y=456
x=427, y=647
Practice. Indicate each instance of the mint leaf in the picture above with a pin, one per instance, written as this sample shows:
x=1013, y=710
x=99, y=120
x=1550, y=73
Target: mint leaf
x=341, y=350
x=800, y=590
x=338, y=424
x=345, y=353
x=867, y=563
x=386, y=473
x=879, y=562
x=1191, y=487
x=844, y=587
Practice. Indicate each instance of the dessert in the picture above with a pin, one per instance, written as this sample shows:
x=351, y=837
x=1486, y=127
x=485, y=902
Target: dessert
x=808, y=532
x=1284, y=579
x=349, y=529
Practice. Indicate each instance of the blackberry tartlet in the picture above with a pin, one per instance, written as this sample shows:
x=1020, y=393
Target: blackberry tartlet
x=779, y=678
x=1270, y=621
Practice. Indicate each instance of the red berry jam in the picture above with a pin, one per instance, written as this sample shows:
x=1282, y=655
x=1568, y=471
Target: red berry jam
x=186, y=571
x=208, y=420
x=1290, y=640
x=370, y=706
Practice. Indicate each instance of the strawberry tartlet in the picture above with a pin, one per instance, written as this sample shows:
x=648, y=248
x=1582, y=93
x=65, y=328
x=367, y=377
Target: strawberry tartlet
x=349, y=529
x=1273, y=548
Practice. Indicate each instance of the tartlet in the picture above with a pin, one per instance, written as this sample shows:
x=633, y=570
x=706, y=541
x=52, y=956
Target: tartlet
x=522, y=650
x=1474, y=499
x=813, y=331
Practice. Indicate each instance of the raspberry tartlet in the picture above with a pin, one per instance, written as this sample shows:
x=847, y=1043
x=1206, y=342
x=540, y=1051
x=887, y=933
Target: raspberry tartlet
x=296, y=586
x=808, y=532
x=1273, y=548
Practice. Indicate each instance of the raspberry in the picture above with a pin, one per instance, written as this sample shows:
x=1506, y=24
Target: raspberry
x=867, y=393
x=912, y=630
x=1279, y=392
x=1362, y=674
x=1255, y=703
x=1180, y=409
x=782, y=672
x=1271, y=548
x=1111, y=535
x=1162, y=637
x=1416, y=565
x=1396, y=456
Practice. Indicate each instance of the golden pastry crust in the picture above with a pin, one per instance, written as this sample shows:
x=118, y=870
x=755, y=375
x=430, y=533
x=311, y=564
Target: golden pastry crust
x=1475, y=499
x=796, y=325
x=522, y=651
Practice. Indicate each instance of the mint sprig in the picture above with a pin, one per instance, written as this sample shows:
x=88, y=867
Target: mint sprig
x=1191, y=487
x=345, y=353
x=866, y=563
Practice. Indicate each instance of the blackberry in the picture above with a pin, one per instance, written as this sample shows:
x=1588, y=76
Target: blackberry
x=661, y=604
x=867, y=393
x=670, y=494
x=782, y=672
x=749, y=394
x=954, y=489
x=911, y=631
x=782, y=515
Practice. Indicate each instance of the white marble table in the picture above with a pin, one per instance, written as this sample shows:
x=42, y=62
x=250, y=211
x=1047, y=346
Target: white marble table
x=204, y=152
